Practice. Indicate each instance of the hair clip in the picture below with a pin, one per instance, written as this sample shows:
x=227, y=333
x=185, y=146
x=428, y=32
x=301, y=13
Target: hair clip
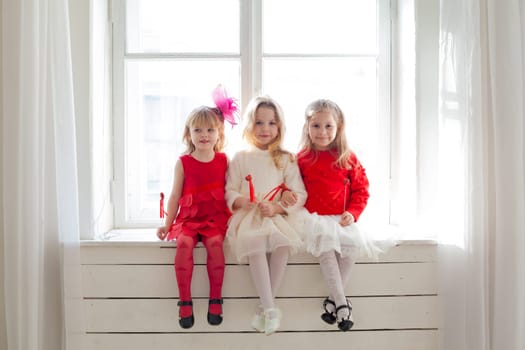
x=227, y=105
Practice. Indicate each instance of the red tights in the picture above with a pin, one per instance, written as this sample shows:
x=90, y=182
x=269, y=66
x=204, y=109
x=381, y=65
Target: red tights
x=184, y=269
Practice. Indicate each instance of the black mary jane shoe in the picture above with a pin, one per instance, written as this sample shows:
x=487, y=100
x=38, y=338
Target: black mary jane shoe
x=328, y=316
x=214, y=319
x=186, y=322
x=346, y=323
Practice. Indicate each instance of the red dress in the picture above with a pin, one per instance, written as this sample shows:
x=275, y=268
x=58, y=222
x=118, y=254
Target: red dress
x=202, y=208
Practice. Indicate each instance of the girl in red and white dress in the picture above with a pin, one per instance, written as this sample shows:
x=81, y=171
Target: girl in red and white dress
x=197, y=210
x=337, y=188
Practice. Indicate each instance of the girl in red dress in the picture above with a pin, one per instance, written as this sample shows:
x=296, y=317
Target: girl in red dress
x=337, y=188
x=197, y=209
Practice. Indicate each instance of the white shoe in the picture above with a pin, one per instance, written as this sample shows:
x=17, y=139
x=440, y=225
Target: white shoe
x=258, y=319
x=272, y=320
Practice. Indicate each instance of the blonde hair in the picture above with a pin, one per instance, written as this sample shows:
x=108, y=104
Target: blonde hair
x=204, y=117
x=340, y=145
x=274, y=148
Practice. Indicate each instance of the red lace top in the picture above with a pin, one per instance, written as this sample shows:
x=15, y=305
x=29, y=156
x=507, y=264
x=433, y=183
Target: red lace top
x=202, y=208
x=331, y=189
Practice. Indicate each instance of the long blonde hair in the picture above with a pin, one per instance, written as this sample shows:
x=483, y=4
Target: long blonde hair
x=204, y=117
x=275, y=149
x=340, y=145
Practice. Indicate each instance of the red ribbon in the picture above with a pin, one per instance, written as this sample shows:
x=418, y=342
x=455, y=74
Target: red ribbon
x=162, y=205
x=275, y=191
x=252, y=191
x=270, y=195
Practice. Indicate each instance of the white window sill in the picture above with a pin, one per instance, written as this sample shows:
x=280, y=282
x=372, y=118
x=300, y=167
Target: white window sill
x=144, y=236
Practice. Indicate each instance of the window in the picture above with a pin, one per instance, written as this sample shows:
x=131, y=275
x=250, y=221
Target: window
x=168, y=56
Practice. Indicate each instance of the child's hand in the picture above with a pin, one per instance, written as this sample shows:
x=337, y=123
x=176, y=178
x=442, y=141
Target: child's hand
x=267, y=209
x=288, y=198
x=346, y=219
x=162, y=232
x=244, y=203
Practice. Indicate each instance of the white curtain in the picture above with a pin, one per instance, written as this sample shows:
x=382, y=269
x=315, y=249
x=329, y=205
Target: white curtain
x=482, y=165
x=40, y=225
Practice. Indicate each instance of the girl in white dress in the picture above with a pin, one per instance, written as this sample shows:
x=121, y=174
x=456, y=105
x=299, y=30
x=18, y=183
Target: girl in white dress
x=261, y=231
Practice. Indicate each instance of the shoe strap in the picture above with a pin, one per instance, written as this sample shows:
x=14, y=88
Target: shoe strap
x=185, y=303
x=327, y=302
x=216, y=301
x=340, y=307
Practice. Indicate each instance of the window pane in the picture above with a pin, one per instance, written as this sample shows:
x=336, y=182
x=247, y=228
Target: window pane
x=350, y=82
x=159, y=97
x=321, y=26
x=182, y=26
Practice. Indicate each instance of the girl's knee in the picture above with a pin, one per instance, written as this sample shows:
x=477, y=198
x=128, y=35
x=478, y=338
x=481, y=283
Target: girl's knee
x=214, y=242
x=184, y=242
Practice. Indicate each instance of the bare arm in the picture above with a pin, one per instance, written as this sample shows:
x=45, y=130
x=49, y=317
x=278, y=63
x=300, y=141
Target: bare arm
x=173, y=201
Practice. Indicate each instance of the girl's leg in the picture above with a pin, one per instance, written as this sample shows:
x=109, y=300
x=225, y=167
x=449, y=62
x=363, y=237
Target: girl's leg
x=184, y=271
x=215, y=266
x=261, y=278
x=278, y=262
x=332, y=276
x=345, y=266
x=270, y=319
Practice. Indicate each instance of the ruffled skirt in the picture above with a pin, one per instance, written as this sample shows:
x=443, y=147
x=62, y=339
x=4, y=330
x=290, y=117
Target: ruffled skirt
x=248, y=233
x=323, y=233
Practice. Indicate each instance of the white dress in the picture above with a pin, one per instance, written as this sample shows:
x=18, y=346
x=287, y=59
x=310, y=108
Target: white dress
x=248, y=232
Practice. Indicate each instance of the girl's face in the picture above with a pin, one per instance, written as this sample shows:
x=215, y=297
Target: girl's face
x=322, y=129
x=265, y=128
x=204, y=138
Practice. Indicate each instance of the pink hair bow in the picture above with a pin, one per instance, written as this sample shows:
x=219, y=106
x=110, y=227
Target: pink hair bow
x=227, y=105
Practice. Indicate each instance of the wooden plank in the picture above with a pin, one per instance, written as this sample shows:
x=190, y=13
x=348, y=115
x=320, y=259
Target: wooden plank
x=355, y=340
x=161, y=315
x=107, y=252
x=300, y=280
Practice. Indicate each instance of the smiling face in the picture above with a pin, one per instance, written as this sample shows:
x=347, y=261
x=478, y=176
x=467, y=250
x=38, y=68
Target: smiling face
x=204, y=130
x=265, y=127
x=204, y=137
x=322, y=129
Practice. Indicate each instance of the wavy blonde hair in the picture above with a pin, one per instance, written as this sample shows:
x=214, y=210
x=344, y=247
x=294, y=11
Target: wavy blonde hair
x=275, y=148
x=204, y=117
x=340, y=145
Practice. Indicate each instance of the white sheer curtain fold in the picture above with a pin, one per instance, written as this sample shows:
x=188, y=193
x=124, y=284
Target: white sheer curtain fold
x=41, y=234
x=507, y=72
x=482, y=129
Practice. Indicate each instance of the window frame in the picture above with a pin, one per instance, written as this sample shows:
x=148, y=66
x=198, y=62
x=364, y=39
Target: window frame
x=251, y=59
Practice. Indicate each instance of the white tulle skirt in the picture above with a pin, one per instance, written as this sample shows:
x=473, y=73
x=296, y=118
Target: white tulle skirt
x=323, y=233
x=248, y=233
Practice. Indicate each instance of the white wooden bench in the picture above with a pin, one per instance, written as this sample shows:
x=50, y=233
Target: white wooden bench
x=130, y=302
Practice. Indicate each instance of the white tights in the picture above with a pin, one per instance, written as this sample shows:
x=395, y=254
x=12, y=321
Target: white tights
x=267, y=276
x=336, y=272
